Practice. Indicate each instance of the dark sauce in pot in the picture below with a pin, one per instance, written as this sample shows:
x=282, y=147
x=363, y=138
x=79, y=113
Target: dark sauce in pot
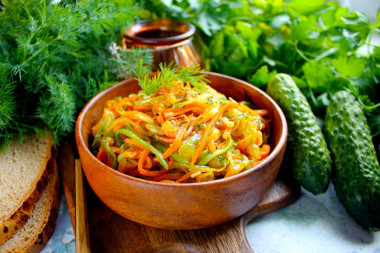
x=157, y=34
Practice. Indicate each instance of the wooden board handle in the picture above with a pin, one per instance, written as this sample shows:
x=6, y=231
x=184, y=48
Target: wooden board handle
x=284, y=192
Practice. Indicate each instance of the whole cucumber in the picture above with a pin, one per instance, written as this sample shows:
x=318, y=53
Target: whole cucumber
x=306, y=149
x=356, y=172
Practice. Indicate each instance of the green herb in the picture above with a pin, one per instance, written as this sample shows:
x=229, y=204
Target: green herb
x=323, y=46
x=142, y=142
x=167, y=75
x=243, y=115
x=55, y=56
x=208, y=15
x=129, y=61
x=221, y=159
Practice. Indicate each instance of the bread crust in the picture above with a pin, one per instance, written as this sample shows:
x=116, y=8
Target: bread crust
x=41, y=239
x=40, y=236
x=11, y=223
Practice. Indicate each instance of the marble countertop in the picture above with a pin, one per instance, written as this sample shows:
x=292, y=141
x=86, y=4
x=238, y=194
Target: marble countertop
x=311, y=224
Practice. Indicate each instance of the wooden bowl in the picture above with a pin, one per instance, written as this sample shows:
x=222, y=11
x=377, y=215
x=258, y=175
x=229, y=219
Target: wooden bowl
x=182, y=206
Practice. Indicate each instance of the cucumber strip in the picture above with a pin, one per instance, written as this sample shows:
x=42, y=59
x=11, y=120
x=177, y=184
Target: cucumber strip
x=133, y=136
x=209, y=157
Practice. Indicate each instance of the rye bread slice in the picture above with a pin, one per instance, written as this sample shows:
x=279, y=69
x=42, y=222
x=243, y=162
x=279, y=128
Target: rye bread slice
x=24, y=173
x=34, y=235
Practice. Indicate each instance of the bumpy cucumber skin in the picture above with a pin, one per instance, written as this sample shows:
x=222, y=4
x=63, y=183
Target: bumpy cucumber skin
x=306, y=149
x=356, y=171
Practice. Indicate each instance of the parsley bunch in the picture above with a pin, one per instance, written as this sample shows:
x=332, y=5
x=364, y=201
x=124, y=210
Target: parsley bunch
x=54, y=57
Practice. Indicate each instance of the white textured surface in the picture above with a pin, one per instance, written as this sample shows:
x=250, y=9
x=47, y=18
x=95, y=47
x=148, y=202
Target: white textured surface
x=312, y=224
x=63, y=239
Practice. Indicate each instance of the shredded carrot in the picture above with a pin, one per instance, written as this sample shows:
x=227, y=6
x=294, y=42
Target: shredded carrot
x=203, y=139
x=164, y=139
x=197, y=104
x=168, y=176
x=200, y=146
x=188, y=174
x=237, y=157
x=163, y=90
x=177, y=141
x=160, y=119
x=172, y=112
x=240, y=146
x=145, y=172
x=173, y=147
x=142, y=107
x=222, y=127
x=170, y=164
x=131, y=153
x=264, y=151
x=148, y=163
x=133, y=142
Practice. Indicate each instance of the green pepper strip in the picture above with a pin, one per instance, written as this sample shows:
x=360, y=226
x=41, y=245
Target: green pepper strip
x=203, y=154
x=100, y=132
x=209, y=157
x=179, y=159
x=176, y=157
x=133, y=136
x=108, y=150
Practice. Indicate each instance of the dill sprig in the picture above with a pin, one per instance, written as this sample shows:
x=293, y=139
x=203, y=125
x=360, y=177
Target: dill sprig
x=55, y=56
x=7, y=98
x=167, y=74
x=129, y=61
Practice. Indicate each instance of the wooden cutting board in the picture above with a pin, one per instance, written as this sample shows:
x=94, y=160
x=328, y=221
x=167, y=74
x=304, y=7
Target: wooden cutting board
x=106, y=231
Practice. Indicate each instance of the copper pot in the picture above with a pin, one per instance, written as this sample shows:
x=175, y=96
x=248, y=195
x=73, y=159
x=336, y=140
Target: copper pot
x=169, y=40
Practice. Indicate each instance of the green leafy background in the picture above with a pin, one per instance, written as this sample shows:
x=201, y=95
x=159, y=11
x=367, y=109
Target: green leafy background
x=323, y=46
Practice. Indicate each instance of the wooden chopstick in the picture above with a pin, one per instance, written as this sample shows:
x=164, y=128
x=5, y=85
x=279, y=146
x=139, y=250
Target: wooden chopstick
x=81, y=220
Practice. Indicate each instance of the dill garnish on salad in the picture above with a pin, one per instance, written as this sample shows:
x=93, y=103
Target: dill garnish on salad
x=177, y=129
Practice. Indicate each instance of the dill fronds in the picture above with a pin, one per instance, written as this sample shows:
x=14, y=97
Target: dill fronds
x=55, y=57
x=167, y=75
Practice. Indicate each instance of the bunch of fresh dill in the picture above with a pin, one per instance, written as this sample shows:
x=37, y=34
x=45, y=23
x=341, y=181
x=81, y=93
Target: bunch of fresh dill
x=54, y=57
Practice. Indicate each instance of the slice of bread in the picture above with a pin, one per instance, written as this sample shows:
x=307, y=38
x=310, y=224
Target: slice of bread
x=34, y=235
x=23, y=176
